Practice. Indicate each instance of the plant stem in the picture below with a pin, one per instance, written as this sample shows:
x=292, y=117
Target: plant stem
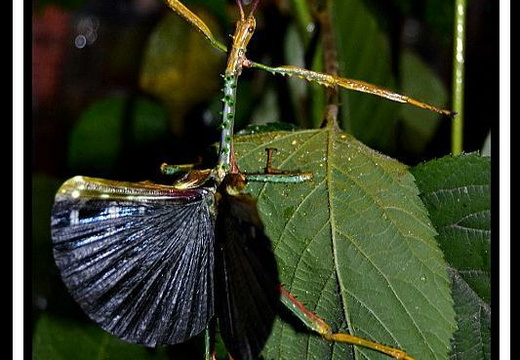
x=458, y=76
x=330, y=59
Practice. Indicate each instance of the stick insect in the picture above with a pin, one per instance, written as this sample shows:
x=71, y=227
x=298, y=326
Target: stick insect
x=152, y=264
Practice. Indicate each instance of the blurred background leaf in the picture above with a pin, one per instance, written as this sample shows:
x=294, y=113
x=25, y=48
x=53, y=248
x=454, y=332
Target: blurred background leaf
x=417, y=127
x=364, y=53
x=59, y=339
x=112, y=126
x=170, y=65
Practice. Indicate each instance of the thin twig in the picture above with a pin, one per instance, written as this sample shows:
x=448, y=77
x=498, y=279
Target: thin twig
x=331, y=67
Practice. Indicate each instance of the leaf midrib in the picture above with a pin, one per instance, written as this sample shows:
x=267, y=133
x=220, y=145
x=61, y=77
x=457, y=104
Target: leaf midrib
x=331, y=131
x=328, y=177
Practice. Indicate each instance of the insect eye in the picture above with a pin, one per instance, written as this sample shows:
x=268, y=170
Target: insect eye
x=251, y=29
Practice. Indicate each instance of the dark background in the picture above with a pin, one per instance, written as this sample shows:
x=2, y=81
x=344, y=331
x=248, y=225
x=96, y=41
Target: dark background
x=111, y=37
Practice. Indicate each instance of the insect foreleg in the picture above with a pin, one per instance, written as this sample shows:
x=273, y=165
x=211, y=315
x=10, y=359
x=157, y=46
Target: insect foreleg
x=349, y=84
x=197, y=22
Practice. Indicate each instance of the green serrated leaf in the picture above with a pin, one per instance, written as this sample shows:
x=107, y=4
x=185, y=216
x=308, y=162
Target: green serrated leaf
x=355, y=245
x=61, y=339
x=472, y=340
x=456, y=191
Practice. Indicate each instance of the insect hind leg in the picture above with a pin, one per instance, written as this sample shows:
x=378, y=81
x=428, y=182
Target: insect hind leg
x=318, y=325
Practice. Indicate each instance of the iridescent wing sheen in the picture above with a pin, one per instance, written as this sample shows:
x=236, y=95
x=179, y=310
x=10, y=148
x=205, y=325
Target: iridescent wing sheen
x=246, y=278
x=137, y=257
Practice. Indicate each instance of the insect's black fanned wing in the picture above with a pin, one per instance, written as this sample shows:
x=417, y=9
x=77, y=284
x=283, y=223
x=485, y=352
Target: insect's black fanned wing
x=137, y=257
x=246, y=276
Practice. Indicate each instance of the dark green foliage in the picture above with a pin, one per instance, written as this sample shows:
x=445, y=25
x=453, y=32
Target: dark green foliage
x=457, y=193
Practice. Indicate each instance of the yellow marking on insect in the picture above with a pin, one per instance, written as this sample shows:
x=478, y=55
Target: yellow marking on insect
x=193, y=179
x=245, y=29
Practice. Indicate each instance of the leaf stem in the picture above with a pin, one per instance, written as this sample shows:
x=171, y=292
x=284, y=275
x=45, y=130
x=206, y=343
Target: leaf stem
x=458, y=76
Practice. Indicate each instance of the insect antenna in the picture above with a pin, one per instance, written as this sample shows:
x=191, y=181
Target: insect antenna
x=254, y=5
x=241, y=8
